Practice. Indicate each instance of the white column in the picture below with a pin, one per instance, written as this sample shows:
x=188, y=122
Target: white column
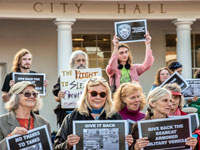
x=64, y=28
x=184, y=53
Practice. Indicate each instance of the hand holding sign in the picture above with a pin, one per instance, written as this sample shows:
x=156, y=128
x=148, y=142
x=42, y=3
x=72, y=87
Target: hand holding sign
x=19, y=131
x=72, y=140
x=191, y=141
x=141, y=143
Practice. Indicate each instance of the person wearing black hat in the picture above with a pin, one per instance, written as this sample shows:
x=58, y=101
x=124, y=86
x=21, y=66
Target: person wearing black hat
x=176, y=67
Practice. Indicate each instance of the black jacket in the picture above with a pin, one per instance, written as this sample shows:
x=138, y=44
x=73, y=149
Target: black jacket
x=67, y=127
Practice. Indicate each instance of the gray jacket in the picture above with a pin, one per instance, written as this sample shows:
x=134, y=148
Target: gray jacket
x=8, y=123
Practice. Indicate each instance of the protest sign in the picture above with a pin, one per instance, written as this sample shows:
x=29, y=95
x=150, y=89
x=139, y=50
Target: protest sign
x=35, y=139
x=193, y=89
x=130, y=124
x=72, y=84
x=166, y=133
x=194, y=120
x=131, y=31
x=101, y=134
x=35, y=78
x=176, y=78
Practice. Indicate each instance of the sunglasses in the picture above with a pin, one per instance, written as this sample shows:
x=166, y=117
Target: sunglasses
x=28, y=94
x=95, y=93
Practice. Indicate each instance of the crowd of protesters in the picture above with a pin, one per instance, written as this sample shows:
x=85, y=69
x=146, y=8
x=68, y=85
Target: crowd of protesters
x=125, y=101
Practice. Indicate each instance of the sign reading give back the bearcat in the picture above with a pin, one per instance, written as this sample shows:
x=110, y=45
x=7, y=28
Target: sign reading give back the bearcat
x=72, y=84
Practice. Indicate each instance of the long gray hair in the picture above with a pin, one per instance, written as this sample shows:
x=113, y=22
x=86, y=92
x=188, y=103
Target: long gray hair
x=73, y=57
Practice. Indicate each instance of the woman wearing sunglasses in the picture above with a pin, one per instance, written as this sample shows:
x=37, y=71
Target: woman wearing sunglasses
x=159, y=106
x=24, y=100
x=129, y=100
x=121, y=69
x=95, y=104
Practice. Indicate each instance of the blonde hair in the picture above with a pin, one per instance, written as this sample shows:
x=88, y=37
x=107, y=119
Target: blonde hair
x=155, y=95
x=13, y=103
x=17, y=59
x=83, y=103
x=130, y=57
x=125, y=90
x=176, y=88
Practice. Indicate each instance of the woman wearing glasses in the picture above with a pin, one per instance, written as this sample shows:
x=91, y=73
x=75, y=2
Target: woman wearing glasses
x=129, y=100
x=121, y=69
x=95, y=104
x=24, y=100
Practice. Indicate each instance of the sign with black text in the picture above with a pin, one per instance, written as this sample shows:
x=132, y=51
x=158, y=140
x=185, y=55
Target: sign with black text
x=166, y=133
x=101, y=134
x=35, y=139
x=36, y=78
x=131, y=31
x=72, y=84
x=176, y=78
x=193, y=89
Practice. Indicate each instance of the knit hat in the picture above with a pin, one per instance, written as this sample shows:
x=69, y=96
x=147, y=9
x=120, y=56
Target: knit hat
x=174, y=65
x=19, y=87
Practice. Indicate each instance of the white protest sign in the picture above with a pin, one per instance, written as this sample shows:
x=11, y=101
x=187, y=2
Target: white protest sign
x=72, y=84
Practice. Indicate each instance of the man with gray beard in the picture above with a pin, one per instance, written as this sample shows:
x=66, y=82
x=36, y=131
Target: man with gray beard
x=78, y=60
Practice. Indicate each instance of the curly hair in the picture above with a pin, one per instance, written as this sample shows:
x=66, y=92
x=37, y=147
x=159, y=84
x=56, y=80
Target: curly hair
x=125, y=90
x=17, y=59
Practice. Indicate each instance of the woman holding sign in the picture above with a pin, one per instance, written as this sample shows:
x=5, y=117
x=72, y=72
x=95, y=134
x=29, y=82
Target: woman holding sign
x=129, y=100
x=159, y=106
x=121, y=69
x=24, y=100
x=95, y=104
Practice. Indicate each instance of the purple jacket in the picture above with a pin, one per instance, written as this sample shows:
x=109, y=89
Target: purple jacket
x=132, y=115
x=135, y=71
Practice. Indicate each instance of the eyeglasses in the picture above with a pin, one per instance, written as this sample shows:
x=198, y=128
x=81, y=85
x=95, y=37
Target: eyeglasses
x=28, y=94
x=95, y=93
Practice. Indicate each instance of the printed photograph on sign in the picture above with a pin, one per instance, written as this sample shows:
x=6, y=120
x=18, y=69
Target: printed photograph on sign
x=193, y=89
x=131, y=31
x=101, y=134
x=72, y=84
x=35, y=139
x=167, y=133
x=35, y=78
x=176, y=78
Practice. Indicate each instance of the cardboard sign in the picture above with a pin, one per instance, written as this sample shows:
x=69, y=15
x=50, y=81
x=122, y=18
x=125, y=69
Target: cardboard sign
x=176, y=78
x=35, y=78
x=72, y=84
x=193, y=89
x=101, y=134
x=35, y=139
x=131, y=31
x=167, y=133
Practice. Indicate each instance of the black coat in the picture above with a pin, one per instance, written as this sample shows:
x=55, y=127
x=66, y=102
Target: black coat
x=67, y=127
